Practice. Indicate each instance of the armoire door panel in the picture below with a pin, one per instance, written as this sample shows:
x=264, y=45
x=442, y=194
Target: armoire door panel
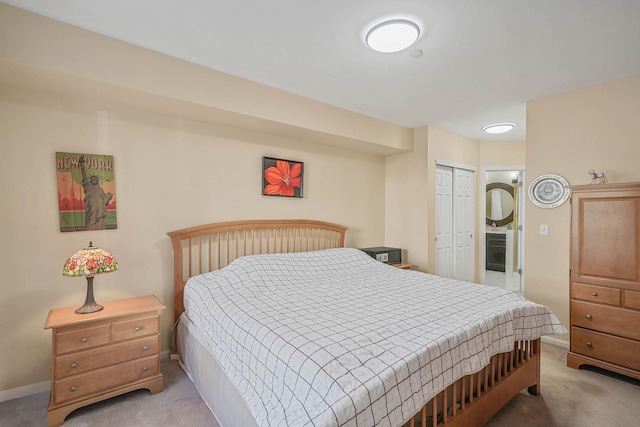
x=605, y=243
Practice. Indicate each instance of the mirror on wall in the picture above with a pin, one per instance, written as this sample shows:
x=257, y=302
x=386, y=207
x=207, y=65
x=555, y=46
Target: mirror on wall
x=500, y=204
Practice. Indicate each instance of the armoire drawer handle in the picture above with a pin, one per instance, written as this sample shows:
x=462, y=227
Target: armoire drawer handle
x=137, y=328
x=595, y=294
x=589, y=344
x=588, y=316
x=145, y=348
x=74, y=365
x=73, y=388
x=84, y=339
x=145, y=369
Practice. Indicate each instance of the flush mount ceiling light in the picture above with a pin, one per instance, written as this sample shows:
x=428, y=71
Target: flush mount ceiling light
x=392, y=36
x=499, y=128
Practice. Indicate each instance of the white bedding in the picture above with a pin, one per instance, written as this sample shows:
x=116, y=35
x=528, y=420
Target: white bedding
x=333, y=337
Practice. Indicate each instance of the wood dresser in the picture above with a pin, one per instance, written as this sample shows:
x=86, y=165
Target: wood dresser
x=605, y=277
x=103, y=354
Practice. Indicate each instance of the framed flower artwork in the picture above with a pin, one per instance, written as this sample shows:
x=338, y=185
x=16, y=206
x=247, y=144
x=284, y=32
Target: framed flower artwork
x=281, y=177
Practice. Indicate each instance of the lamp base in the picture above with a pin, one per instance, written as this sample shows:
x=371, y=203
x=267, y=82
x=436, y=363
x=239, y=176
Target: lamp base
x=90, y=305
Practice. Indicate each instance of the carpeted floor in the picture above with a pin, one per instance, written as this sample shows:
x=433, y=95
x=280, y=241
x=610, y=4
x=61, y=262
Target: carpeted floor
x=569, y=398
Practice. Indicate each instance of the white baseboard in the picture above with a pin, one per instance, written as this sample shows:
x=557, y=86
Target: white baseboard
x=556, y=341
x=28, y=390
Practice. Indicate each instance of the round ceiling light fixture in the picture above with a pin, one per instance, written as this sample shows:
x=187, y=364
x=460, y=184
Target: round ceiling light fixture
x=498, y=128
x=392, y=36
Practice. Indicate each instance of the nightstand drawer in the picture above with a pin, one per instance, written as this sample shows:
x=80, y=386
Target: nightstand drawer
x=621, y=351
x=592, y=293
x=83, y=385
x=135, y=328
x=83, y=361
x=74, y=339
x=613, y=320
x=631, y=299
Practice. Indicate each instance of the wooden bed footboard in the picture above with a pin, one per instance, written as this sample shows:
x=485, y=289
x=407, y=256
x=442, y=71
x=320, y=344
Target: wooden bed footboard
x=474, y=399
x=209, y=247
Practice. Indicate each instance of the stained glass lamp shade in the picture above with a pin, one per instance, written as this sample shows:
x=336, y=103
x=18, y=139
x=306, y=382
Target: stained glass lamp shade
x=87, y=263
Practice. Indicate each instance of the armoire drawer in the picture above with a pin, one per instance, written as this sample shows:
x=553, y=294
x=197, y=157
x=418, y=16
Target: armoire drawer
x=603, y=318
x=621, y=351
x=631, y=299
x=600, y=294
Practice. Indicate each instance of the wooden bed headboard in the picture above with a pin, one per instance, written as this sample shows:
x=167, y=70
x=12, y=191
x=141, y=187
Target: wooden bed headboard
x=209, y=247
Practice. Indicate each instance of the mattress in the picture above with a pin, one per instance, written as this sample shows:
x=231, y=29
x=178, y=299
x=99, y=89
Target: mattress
x=215, y=388
x=334, y=337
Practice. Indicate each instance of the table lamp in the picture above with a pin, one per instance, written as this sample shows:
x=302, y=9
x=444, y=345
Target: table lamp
x=88, y=262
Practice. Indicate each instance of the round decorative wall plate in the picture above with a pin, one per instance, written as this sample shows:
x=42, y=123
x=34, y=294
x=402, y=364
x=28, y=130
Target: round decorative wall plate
x=549, y=191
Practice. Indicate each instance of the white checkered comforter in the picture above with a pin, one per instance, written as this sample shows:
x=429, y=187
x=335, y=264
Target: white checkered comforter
x=333, y=338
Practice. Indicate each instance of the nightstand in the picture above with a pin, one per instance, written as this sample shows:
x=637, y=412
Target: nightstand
x=402, y=266
x=100, y=355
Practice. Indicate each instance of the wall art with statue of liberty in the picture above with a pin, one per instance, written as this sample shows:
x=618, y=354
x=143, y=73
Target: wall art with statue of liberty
x=86, y=192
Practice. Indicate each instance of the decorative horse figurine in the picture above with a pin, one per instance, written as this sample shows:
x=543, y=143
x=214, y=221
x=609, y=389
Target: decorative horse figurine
x=597, y=177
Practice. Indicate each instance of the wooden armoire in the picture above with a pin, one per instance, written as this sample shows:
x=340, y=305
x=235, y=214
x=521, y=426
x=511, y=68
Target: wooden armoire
x=605, y=277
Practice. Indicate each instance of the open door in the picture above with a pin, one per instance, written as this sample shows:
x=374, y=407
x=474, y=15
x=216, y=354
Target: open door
x=503, y=235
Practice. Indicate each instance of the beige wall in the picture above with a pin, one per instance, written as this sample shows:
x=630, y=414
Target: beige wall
x=509, y=153
x=407, y=203
x=568, y=134
x=170, y=173
x=40, y=51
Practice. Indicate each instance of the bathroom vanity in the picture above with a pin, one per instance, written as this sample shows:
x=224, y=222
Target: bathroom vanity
x=497, y=256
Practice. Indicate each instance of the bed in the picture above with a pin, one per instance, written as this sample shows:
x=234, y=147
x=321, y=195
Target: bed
x=279, y=324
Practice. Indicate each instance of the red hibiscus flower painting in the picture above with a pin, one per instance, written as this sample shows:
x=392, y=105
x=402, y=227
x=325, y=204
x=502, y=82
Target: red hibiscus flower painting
x=281, y=177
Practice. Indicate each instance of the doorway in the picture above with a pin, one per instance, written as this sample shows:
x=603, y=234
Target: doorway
x=503, y=237
x=454, y=222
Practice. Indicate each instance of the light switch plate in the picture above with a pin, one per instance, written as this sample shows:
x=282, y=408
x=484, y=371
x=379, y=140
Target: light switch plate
x=544, y=229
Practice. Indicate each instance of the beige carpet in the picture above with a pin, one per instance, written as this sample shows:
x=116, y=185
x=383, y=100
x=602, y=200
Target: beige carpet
x=569, y=398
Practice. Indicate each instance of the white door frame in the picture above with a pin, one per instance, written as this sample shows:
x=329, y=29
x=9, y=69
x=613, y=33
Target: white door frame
x=521, y=213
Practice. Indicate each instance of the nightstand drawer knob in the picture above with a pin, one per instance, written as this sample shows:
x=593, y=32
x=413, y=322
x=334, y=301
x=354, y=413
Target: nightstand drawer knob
x=595, y=294
x=145, y=348
x=588, y=316
x=145, y=369
x=74, y=365
x=84, y=339
x=589, y=344
x=73, y=388
x=137, y=328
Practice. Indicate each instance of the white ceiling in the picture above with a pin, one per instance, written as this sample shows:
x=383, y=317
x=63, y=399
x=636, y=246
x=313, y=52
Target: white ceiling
x=482, y=59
